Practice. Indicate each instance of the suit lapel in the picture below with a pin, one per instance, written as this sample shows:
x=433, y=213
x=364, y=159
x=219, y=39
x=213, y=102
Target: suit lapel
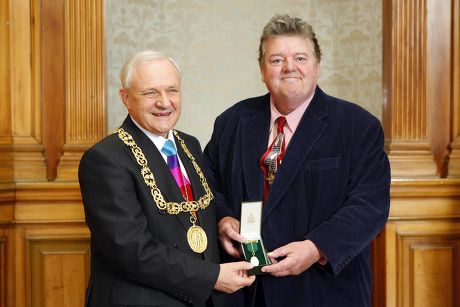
x=309, y=131
x=163, y=177
x=254, y=143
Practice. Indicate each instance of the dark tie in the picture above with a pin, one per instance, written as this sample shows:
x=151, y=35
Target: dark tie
x=271, y=159
x=173, y=163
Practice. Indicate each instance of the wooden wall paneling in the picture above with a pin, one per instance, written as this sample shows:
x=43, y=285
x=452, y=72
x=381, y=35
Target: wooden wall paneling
x=6, y=159
x=6, y=139
x=6, y=252
x=47, y=211
x=58, y=269
x=431, y=272
x=422, y=241
x=421, y=120
x=428, y=260
x=454, y=163
x=52, y=108
x=29, y=161
x=7, y=195
x=5, y=105
x=439, y=74
x=7, y=278
x=68, y=61
x=3, y=270
x=378, y=258
x=49, y=64
x=407, y=113
x=48, y=203
x=85, y=82
x=7, y=269
x=18, y=251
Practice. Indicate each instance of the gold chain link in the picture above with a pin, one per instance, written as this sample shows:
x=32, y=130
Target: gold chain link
x=149, y=179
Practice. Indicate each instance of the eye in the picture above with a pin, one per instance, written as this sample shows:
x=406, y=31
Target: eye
x=277, y=61
x=149, y=94
x=173, y=91
x=300, y=58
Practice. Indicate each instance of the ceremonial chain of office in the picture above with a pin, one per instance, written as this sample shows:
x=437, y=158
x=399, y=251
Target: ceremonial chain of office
x=149, y=179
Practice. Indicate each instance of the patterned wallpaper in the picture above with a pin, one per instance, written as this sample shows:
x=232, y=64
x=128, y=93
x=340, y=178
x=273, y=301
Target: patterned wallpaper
x=216, y=42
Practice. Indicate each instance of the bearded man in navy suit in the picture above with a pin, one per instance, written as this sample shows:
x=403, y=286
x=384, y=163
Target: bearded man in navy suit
x=152, y=221
x=329, y=196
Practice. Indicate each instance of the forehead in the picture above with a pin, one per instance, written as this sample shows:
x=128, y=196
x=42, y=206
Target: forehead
x=155, y=73
x=288, y=44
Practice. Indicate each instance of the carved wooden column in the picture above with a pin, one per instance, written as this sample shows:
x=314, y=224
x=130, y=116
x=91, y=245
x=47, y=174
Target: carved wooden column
x=416, y=84
x=85, y=109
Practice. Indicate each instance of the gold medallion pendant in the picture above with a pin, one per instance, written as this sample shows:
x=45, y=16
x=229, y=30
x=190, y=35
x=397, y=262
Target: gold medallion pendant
x=197, y=239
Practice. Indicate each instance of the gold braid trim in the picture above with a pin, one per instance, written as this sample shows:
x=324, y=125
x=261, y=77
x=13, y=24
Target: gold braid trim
x=170, y=207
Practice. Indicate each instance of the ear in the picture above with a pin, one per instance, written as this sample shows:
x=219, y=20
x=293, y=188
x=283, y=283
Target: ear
x=124, y=96
x=261, y=67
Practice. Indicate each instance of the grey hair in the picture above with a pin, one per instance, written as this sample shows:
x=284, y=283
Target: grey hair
x=285, y=25
x=126, y=73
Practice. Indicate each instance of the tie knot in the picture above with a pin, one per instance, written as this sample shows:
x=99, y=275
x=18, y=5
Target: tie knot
x=281, y=121
x=169, y=149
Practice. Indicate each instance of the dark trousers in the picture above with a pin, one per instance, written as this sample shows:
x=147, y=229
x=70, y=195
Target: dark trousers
x=259, y=299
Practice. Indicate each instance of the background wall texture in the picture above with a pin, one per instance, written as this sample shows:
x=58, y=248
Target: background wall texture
x=216, y=43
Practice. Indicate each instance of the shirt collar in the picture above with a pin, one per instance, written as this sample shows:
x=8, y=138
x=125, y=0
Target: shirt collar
x=158, y=140
x=293, y=118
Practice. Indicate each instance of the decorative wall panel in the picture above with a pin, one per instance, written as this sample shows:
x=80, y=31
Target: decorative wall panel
x=428, y=261
x=216, y=43
x=58, y=270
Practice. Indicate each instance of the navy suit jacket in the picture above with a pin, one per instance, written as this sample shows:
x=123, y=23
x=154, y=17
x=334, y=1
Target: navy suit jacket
x=139, y=254
x=331, y=188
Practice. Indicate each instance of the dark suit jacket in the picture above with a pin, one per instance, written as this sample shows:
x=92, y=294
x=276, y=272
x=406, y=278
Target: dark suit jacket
x=139, y=254
x=332, y=188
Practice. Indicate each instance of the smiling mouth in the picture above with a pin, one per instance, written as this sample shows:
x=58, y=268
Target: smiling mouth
x=162, y=114
x=288, y=78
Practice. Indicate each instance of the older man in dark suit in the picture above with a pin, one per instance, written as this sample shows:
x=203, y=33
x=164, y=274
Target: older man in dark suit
x=148, y=204
x=318, y=164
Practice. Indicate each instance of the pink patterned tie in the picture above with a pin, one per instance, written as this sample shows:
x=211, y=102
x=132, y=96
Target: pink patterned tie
x=173, y=163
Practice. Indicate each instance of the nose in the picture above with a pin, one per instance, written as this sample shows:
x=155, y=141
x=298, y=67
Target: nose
x=289, y=65
x=163, y=100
